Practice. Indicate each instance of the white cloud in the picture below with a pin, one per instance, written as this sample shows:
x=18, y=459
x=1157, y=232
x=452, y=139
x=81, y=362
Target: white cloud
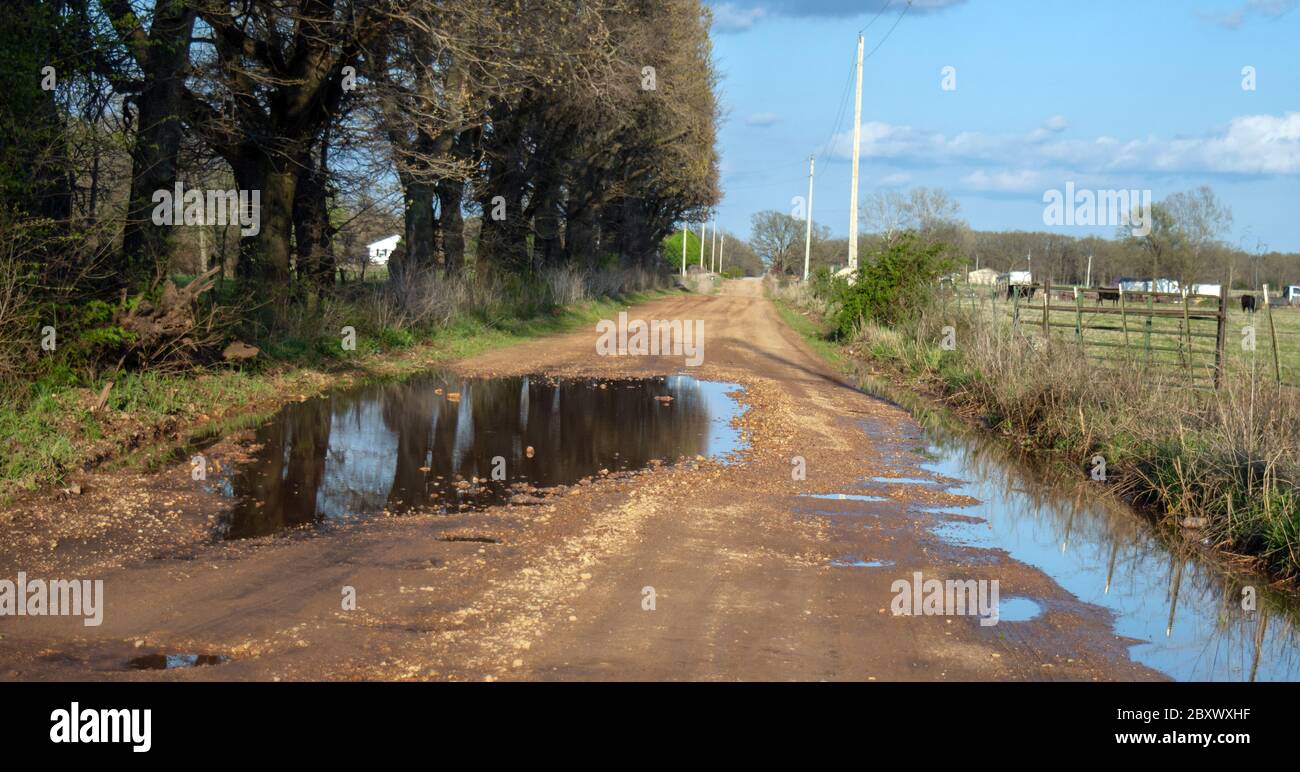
x=1023, y=181
x=762, y=119
x=1248, y=145
x=741, y=15
x=1268, y=9
x=730, y=17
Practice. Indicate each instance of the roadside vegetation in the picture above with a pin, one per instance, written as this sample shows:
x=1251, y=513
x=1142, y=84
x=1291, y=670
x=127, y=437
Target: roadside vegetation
x=192, y=194
x=1223, y=466
x=63, y=422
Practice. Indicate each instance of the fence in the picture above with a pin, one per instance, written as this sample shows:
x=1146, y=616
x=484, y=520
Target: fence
x=1194, y=334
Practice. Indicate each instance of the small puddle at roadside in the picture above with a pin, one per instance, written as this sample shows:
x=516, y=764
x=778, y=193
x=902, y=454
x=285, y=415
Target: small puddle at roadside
x=851, y=563
x=440, y=443
x=902, y=481
x=174, y=661
x=843, y=497
x=1017, y=610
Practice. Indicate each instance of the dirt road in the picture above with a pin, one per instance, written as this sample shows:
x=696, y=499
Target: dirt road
x=744, y=570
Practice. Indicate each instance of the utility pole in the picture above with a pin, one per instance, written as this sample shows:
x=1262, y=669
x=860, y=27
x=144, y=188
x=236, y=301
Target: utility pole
x=1088, y=281
x=704, y=228
x=683, y=250
x=713, y=245
x=722, y=247
x=857, y=150
x=807, y=236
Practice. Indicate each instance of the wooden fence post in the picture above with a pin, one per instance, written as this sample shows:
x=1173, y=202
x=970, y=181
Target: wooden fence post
x=1272, y=333
x=1150, y=308
x=1078, y=316
x=1221, y=336
x=1047, y=300
x=1123, y=317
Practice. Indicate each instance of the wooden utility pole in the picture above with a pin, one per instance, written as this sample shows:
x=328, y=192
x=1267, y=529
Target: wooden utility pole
x=683, y=250
x=807, y=236
x=713, y=245
x=857, y=151
x=704, y=228
x=1088, y=281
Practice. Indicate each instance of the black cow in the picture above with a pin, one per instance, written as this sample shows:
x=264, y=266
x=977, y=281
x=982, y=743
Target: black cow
x=1108, y=294
x=1248, y=303
x=1021, y=290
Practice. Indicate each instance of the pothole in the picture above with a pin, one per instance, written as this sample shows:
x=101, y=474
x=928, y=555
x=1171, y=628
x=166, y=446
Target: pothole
x=174, y=661
x=844, y=497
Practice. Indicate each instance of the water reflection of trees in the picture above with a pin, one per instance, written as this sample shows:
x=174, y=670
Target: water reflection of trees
x=1198, y=626
x=397, y=446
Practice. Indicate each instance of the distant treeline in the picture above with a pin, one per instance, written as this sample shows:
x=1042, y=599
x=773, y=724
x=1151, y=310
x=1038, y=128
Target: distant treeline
x=1185, y=242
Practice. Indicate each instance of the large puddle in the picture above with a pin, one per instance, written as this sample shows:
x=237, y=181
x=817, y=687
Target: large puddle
x=441, y=443
x=1187, y=614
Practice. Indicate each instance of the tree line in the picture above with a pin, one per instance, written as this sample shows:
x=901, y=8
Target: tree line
x=572, y=134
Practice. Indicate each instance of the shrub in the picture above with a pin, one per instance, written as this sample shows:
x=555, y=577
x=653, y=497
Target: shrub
x=894, y=287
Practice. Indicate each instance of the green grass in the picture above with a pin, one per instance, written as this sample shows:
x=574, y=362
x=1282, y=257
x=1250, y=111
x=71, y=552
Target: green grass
x=815, y=333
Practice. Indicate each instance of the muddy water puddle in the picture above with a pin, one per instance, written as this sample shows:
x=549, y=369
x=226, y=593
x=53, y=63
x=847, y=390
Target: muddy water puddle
x=442, y=443
x=1186, y=613
x=174, y=661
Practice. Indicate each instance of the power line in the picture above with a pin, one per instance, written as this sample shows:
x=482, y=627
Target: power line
x=839, y=112
x=883, y=8
x=891, y=29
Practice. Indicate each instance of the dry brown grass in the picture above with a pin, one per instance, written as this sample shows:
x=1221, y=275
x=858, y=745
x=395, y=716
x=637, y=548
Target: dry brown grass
x=1224, y=463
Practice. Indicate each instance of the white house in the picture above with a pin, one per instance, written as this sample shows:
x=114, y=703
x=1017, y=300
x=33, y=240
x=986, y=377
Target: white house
x=381, y=250
x=1207, y=289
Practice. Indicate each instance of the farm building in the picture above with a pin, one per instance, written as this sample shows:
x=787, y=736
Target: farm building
x=1015, y=278
x=1144, y=285
x=985, y=276
x=381, y=250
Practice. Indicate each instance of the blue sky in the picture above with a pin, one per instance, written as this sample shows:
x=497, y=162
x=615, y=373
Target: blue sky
x=1109, y=95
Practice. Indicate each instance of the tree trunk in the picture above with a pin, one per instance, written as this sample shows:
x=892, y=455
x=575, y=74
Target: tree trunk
x=312, y=232
x=421, y=230
x=452, y=224
x=146, y=247
x=264, y=256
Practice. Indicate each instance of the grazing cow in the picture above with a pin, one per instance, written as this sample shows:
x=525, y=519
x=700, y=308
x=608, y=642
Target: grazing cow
x=1020, y=290
x=1108, y=294
x=1248, y=303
